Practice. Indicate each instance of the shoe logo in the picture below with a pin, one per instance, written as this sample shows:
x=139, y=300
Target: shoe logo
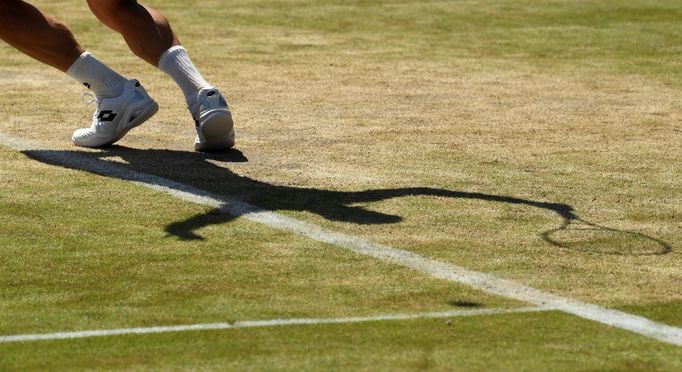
x=106, y=115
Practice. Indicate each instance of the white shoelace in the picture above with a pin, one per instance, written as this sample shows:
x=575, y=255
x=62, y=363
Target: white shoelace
x=89, y=99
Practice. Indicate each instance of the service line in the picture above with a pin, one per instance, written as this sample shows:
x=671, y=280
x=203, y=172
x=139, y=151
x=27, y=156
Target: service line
x=262, y=323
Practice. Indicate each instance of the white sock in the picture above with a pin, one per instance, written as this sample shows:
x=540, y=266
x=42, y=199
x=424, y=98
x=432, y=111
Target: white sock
x=176, y=63
x=97, y=76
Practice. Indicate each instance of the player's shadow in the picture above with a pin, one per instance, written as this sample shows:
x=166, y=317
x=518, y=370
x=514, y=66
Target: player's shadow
x=204, y=172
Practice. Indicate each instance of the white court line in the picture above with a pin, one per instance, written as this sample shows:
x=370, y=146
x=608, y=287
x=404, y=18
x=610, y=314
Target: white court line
x=482, y=281
x=261, y=323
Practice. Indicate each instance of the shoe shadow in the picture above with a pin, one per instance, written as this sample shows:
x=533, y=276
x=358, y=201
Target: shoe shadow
x=201, y=171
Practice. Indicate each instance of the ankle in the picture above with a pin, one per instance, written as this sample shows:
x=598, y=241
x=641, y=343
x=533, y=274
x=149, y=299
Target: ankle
x=97, y=76
x=176, y=63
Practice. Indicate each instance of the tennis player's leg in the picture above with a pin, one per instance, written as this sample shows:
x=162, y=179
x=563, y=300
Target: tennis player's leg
x=150, y=36
x=122, y=104
x=37, y=34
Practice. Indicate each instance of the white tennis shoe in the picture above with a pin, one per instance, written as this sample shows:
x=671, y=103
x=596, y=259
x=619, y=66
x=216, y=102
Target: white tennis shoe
x=115, y=116
x=215, y=129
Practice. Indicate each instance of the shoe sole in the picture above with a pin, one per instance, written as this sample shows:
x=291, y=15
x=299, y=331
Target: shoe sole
x=218, y=129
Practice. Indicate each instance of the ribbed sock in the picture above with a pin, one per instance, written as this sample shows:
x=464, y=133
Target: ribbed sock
x=176, y=63
x=97, y=76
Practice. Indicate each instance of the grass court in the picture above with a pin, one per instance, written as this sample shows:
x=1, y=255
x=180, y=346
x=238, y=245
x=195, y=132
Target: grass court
x=539, y=142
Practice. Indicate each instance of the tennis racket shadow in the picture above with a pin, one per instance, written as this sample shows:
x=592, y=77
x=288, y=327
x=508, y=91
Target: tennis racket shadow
x=573, y=233
x=581, y=235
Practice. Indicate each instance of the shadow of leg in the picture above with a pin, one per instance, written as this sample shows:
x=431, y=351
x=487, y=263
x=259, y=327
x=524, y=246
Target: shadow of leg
x=185, y=230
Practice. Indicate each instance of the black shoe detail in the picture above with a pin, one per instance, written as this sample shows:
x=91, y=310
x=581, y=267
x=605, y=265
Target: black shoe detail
x=107, y=115
x=137, y=84
x=210, y=93
x=87, y=85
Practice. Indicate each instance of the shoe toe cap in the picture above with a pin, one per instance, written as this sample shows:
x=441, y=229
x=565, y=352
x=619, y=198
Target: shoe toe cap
x=84, y=137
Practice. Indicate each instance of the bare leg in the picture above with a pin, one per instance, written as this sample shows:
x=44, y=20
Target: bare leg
x=145, y=29
x=40, y=36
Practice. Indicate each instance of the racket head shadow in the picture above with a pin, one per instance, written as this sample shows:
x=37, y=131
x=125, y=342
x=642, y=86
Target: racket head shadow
x=585, y=236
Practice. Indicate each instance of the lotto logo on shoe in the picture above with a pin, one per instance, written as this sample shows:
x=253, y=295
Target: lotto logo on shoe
x=107, y=115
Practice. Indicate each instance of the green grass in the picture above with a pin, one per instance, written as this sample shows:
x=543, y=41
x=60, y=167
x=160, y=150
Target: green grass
x=508, y=342
x=453, y=129
x=639, y=37
x=74, y=259
x=668, y=313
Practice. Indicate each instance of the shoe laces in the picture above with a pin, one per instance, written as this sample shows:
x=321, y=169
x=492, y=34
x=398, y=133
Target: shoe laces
x=89, y=99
